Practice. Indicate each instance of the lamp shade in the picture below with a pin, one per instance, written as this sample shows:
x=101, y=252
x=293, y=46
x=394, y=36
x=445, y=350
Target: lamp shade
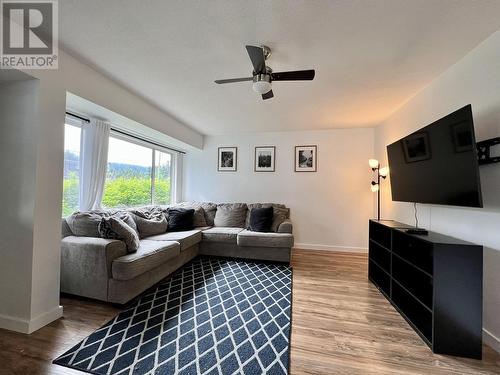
x=261, y=87
x=373, y=163
x=375, y=187
x=384, y=171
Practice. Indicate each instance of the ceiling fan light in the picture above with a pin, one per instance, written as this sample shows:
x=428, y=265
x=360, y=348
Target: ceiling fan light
x=261, y=87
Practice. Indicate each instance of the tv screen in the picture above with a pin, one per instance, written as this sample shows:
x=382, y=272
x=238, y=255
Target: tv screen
x=438, y=163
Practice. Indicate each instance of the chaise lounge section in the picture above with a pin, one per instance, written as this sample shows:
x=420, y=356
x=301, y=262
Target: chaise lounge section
x=102, y=269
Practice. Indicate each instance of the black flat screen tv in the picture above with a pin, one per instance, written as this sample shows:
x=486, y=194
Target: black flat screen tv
x=438, y=164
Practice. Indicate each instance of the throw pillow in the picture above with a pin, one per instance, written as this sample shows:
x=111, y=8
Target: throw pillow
x=115, y=228
x=199, y=213
x=199, y=217
x=210, y=210
x=279, y=216
x=277, y=206
x=180, y=219
x=127, y=218
x=261, y=219
x=231, y=215
x=150, y=222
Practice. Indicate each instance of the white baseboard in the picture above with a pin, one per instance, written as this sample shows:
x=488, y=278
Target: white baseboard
x=350, y=249
x=14, y=324
x=491, y=340
x=29, y=326
x=45, y=318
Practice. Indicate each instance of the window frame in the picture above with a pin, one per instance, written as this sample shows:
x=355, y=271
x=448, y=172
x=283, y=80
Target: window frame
x=70, y=121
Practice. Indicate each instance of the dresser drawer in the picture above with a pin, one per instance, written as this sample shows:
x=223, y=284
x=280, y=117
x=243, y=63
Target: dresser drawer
x=380, y=255
x=380, y=234
x=414, y=250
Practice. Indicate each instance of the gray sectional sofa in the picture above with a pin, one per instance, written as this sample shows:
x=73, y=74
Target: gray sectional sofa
x=103, y=269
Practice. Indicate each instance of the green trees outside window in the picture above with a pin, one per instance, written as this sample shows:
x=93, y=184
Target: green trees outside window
x=130, y=178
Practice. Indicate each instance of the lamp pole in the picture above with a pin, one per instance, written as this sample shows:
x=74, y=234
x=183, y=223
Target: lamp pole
x=381, y=172
x=378, y=194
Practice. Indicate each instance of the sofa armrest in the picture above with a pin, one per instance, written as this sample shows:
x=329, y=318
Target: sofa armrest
x=285, y=227
x=86, y=265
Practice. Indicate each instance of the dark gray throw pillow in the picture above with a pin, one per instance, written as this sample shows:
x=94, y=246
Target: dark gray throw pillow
x=180, y=219
x=112, y=227
x=261, y=219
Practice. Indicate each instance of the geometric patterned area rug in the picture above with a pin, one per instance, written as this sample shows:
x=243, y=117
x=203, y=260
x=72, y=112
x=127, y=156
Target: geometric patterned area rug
x=212, y=316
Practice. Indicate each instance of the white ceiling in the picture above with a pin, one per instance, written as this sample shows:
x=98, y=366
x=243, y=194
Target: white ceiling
x=370, y=56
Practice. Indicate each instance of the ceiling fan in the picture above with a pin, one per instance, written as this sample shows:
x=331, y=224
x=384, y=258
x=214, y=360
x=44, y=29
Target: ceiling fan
x=263, y=76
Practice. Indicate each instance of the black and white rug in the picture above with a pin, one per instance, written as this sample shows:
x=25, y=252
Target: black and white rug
x=213, y=316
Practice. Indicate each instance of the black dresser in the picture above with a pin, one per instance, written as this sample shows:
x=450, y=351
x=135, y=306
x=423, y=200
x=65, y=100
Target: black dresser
x=434, y=281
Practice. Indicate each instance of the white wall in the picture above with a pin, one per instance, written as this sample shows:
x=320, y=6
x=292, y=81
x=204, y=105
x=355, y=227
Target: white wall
x=85, y=82
x=329, y=208
x=45, y=135
x=18, y=109
x=476, y=80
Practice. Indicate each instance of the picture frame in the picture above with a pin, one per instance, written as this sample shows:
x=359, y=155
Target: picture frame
x=306, y=158
x=416, y=147
x=462, y=137
x=264, y=160
x=227, y=160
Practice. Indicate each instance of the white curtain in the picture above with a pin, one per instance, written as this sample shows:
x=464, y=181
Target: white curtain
x=93, y=163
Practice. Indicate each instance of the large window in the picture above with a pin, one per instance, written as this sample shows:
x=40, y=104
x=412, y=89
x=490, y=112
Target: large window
x=137, y=175
x=71, y=168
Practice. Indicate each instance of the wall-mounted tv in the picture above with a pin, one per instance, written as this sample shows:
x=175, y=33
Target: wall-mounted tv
x=438, y=164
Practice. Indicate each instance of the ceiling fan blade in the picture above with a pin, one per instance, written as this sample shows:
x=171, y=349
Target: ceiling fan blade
x=231, y=80
x=297, y=75
x=268, y=95
x=257, y=57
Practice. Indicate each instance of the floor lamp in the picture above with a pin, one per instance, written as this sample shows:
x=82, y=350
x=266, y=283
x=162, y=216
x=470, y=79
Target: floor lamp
x=381, y=172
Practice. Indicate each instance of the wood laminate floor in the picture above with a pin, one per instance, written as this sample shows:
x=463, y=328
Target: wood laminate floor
x=341, y=325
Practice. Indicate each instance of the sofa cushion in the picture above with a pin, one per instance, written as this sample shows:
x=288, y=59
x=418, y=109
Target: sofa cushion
x=149, y=255
x=231, y=215
x=180, y=219
x=84, y=224
x=150, y=221
x=259, y=239
x=186, y=238
x=114, y=227
x=261, y=219
x=221, y=234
